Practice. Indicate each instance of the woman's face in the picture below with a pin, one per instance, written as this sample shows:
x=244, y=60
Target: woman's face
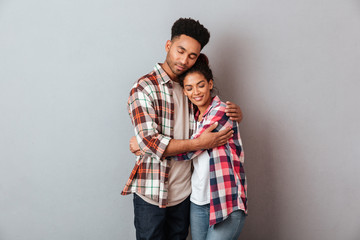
x=197, y=89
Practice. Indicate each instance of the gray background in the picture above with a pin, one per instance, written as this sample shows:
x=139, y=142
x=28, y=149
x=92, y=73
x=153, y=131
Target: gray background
x=66, y=68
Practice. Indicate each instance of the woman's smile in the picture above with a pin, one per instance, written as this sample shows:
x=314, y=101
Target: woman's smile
x=198, y=90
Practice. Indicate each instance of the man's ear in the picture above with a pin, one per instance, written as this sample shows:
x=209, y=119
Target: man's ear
x=168, y=45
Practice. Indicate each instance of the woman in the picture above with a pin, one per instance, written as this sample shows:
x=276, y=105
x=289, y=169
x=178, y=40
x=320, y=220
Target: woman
x=218, y=198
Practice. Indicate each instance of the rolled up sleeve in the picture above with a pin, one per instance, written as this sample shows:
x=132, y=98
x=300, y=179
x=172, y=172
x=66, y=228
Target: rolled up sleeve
x=143, y=117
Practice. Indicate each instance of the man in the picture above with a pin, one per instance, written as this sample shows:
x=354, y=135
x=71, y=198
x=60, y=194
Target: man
x=160, y=114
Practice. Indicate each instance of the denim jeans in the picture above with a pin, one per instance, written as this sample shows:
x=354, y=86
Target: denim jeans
x=229, y=229
x=152, y=222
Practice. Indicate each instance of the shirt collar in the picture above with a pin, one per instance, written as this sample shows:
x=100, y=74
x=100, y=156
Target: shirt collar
x=215, y=102
x=162, y=75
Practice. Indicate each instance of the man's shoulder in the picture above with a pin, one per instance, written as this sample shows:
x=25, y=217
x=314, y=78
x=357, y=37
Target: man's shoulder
x=150, y=78
x=147, y=82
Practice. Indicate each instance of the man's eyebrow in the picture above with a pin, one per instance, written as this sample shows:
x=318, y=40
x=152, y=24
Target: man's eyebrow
x=184, y=49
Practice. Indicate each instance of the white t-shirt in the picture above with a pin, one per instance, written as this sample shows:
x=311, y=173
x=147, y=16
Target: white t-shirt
x=200, y=179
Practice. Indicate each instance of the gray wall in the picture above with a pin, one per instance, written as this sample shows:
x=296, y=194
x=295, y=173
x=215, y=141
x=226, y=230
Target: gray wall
x=66, y=68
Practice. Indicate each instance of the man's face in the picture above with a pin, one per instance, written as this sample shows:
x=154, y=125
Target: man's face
x=182, y=53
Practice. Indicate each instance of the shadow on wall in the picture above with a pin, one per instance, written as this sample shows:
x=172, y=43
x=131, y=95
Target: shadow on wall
x=234, y=70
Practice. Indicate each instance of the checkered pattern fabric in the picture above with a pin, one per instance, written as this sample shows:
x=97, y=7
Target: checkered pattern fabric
x=228, y=187
x=151, y=109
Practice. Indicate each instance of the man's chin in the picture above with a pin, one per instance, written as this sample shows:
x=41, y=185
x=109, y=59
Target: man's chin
x=181, y=71
x=178, y=73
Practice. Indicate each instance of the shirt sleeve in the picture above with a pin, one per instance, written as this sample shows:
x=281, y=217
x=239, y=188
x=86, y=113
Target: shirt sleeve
x=216, y=114
x=143, y=117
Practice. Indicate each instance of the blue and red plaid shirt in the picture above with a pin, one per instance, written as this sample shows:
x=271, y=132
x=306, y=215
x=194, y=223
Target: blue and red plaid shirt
x=228, y=187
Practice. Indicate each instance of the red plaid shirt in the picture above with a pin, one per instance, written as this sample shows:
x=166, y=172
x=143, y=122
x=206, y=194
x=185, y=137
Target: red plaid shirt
x=151, y=109
x=228, y=187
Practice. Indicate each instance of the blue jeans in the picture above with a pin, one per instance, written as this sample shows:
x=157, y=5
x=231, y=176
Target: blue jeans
x=152, y=222
x=229, y=229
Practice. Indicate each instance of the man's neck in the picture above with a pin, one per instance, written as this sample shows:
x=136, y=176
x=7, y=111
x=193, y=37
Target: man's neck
x=168, y=71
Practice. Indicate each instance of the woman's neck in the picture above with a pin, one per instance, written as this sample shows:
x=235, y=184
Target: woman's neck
x=202, y=111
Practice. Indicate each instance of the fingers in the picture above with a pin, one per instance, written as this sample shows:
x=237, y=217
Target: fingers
x=225, y=135
x=225, y=131
x=235, y=119
x=212, y=127
x=134, y=148
x=234, y=112
x=229, y=135
x=230, y=105
x=133, y=145
x=231, y=114
x=224, y=139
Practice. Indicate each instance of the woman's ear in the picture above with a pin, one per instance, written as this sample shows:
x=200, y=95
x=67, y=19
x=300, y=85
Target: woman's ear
x=211, y=84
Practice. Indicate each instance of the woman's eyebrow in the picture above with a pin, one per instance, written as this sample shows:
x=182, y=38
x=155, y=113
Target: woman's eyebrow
x=196, y=84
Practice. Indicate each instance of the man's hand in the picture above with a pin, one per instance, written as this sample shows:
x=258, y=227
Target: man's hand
x=233, y=111
x=209, y=139
x=134, y=146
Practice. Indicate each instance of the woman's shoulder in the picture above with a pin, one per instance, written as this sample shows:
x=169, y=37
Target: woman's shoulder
x=217, y=109
x=218, y=105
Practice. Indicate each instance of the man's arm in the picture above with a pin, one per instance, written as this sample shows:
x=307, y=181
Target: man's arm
x=143, y=117
x=233, y=111
x=206, y=140
x=216, y=115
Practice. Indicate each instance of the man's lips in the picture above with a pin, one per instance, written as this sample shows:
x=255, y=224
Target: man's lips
x=181, y=68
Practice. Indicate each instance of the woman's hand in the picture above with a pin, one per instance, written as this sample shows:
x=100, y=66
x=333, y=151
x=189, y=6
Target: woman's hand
x=233, y=111
x=134, y=146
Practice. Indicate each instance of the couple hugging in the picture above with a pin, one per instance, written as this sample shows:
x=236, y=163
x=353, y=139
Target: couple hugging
x=189, y=168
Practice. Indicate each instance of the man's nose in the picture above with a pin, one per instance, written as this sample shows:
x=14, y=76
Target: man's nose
x=184, y=60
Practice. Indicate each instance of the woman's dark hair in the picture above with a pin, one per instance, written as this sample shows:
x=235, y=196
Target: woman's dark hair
x=201, y=66
x=191, y=28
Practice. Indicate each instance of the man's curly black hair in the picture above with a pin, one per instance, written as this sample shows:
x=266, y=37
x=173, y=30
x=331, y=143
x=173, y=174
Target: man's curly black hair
x=191, y=28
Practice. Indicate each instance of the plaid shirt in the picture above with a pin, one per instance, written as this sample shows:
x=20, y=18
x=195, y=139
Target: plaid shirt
x=151, y=109
x=228, y=187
